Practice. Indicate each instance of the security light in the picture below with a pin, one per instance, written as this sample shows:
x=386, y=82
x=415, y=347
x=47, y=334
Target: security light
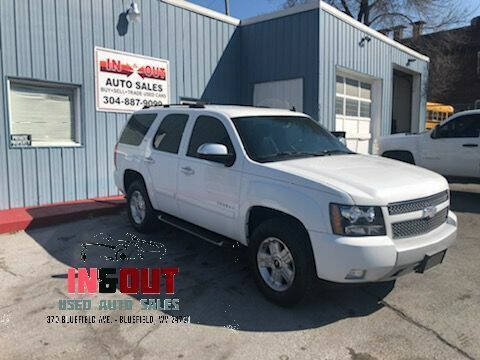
x=133, y=12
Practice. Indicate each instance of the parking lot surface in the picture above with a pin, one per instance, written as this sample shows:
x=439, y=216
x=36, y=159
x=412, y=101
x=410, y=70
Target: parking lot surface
x=431, y=316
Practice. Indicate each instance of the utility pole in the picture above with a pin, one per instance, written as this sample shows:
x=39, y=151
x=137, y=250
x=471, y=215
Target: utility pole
x=227, y=7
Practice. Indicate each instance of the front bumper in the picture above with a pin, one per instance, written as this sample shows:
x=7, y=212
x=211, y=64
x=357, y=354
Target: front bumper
x=381, y=257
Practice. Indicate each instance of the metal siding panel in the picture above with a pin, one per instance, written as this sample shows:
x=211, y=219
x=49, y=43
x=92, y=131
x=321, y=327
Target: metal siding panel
x=100, y=117
x=68, y=174
x=88, y=115
x=163, y=31
x=179, y=53
x=146, y=27
x=37, y=44
x=200, y=54
x=118, y=9
x=194, y=56
x=64, y=70
x=187, y=55
x=22, y=32
x=129, y=37
x=155, y=23
x=56, y=175
x=171, y=52
x=24, y=69
x=111, y=118
x=206, y=49
x=9, y=58
x=80, y=173
x=50, y=36
x=43, y=168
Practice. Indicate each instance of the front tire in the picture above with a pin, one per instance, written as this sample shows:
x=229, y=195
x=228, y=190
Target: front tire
x=282, y=262
x=140, y=211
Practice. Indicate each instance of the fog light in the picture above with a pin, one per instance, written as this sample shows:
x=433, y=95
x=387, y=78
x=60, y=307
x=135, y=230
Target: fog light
x=355, y=274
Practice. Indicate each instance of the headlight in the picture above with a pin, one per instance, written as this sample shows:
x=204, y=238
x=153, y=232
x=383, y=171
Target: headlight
x=355, y=220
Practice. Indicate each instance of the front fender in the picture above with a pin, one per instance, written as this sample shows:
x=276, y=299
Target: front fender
x=310, y=207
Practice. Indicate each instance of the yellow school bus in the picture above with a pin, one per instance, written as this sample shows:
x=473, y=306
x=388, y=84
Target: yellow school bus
x=437, y=113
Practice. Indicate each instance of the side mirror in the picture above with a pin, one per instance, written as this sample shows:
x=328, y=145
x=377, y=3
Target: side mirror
x=216, y=153
x=341, y=136
x=434, y=132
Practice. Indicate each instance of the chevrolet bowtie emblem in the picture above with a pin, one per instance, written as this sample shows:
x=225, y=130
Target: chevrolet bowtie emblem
x=429, y=212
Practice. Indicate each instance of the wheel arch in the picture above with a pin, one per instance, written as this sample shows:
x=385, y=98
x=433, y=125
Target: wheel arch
x=130, y=176
x=258, y=214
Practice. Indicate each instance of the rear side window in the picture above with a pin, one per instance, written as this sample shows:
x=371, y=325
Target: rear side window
x=208, y=129
x=169, y=133
x=136, y=128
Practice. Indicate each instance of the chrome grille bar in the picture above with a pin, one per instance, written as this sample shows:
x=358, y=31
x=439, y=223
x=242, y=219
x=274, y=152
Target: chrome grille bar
x=404, y=207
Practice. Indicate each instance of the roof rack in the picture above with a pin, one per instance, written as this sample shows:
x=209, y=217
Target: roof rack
x=193, y=106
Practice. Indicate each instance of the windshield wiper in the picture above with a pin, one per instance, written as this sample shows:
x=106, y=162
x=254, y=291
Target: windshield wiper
x=337, y=151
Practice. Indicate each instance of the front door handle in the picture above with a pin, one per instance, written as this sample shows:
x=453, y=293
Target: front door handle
x=187, y=170
x=470, y=145
x=149, y=160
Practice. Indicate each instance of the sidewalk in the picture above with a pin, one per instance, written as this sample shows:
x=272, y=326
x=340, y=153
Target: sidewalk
x=36, y=216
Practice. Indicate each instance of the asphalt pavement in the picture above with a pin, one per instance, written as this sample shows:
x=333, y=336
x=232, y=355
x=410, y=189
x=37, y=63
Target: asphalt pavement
x=431, y=316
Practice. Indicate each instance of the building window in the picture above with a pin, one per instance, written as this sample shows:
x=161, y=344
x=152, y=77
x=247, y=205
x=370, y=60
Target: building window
x=45, y=113
x=353, y=98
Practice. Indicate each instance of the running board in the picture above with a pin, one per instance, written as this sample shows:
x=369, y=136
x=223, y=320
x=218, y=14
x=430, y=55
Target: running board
x=204, y=234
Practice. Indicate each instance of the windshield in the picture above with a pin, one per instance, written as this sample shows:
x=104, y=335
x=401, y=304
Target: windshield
x=275, y=138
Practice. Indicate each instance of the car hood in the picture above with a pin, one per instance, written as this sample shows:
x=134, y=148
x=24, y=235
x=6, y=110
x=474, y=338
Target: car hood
x=369, y=180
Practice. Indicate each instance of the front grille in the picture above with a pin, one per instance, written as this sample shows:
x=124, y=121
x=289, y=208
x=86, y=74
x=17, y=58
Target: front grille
x=404, y=207
x=419, y=226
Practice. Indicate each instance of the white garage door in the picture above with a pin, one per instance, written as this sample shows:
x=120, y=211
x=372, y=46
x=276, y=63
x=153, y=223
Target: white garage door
x=284, y=94
x=353, y=111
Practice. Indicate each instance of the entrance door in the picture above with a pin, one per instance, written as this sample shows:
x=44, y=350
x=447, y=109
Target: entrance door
x=353, y=109
x=402, y=102
x=285, y=94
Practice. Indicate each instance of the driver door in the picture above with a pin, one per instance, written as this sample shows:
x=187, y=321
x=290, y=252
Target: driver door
x=453, y=149
x=209, y=192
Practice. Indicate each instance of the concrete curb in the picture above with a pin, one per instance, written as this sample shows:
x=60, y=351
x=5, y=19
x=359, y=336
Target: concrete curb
x=37, y=216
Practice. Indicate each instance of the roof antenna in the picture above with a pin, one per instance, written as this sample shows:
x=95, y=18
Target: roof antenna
x=293, y=108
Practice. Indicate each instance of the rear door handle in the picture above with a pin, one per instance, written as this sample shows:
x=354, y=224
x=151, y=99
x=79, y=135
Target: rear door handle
x=470, y=145
x=187, y=170
x=149, y=160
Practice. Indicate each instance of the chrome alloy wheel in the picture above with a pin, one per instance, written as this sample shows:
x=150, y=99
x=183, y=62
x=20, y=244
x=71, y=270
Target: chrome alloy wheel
x=138, y=207
x=275, y=264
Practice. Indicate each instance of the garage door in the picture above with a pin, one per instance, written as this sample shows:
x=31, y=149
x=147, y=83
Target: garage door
x=353, y=109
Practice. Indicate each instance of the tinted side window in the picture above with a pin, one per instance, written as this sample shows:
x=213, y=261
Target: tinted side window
x=208, y=129
x=136, y=128
x=169, y=133
x=467, y=126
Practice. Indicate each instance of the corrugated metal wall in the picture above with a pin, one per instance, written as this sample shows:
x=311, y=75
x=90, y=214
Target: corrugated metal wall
x=312, y=45
x=280, y=49
x=339, y=47
x=54, y=40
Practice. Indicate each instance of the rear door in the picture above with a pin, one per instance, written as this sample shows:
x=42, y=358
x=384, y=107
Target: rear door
x=208, y=192
x=454, y=148
x=161, y=158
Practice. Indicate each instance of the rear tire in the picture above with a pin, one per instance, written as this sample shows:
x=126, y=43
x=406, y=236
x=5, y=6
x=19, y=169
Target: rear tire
x=282, y=262
x=139, y=208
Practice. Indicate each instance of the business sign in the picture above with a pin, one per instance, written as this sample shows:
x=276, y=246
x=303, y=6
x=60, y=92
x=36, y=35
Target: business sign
x=127, y=82
x=20, y=140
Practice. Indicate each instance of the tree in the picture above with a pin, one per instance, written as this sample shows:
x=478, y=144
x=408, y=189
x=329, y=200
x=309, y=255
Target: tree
x=438, y=14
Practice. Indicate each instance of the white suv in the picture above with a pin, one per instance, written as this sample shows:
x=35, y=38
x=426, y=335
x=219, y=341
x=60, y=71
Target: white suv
x=278, y=182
